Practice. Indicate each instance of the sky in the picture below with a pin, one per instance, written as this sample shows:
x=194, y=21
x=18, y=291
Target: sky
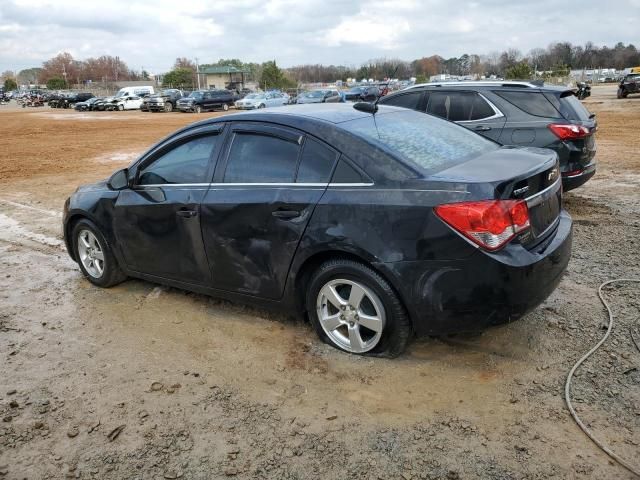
x=152, y=34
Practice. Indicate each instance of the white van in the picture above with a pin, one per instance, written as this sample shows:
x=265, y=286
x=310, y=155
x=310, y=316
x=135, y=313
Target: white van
x=135, y=91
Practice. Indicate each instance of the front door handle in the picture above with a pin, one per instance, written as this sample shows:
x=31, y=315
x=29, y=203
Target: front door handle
x=482, y=128
x=187, y=213
x=286, y=214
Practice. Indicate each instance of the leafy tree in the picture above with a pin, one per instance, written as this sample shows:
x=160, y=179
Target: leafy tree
x=10, y=84
x=178, y=78
x=185, y=63
x=273, y=77
x=56, y=83
x=520, y=71
x=29, y=76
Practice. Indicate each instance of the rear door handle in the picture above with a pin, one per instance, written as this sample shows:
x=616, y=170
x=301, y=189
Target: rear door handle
x=187, y=213
x=286, y=214
x=482, y=128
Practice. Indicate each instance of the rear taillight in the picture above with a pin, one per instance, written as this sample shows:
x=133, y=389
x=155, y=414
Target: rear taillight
x=569, y=131
x=488, y=223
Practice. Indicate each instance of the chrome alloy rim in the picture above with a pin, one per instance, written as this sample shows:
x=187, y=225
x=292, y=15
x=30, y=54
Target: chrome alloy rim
x=351, y=315
x=90, y=253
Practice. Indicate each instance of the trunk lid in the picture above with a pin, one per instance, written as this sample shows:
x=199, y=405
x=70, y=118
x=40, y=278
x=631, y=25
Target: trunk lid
x=529, y=174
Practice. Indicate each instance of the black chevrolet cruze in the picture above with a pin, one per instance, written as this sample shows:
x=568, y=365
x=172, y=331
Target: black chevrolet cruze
x=378, y=226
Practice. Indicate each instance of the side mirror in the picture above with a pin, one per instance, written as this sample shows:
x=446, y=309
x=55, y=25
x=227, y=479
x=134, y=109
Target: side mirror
x=119, y=180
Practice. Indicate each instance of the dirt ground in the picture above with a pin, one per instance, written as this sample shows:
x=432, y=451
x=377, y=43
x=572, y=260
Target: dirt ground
x=146, y=382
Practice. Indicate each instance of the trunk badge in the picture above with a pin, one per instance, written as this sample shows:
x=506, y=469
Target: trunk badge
x=521, y=191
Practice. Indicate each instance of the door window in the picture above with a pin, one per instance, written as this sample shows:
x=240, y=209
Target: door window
x=316, y=163
x=186, y=163
x=459, y=106
x=407, y=100
x=259, y=158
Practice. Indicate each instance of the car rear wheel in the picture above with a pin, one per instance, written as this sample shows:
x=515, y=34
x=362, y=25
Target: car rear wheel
x=622, y=93
x=94, y=255
x=354, y=309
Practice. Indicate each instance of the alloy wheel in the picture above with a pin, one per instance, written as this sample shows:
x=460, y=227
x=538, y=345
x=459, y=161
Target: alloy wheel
x=91, y=253
x=351, y=315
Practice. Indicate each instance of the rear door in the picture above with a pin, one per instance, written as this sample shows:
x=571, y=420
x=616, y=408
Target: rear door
x=469, y=109
x=255, y=213
x=158, y=220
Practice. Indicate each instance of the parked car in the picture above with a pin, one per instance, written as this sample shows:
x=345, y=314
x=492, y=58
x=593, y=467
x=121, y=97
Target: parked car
x=319, y=96
x=362, y=94
x=70, y=99
x=262, y=100
x=87, y=104
x=515, y=113
x=164, y=101
x=377, y=226
x=205, y=100
x=630, y=84
x=124, y=103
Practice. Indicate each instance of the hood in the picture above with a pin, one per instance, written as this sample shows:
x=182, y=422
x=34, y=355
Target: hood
x=101, y=185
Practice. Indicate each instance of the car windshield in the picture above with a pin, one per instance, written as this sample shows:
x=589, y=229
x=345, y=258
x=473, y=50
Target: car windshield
x=121, y=94
x=356, y=90
x=315, y=94
x=255, y=96
x=196, y=95
x=422, y=140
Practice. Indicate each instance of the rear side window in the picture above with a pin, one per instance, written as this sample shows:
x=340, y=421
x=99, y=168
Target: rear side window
x=345, y=173
x=256, y=158
x=568, y=105
x=421, y=140
x=533, y=103
x=459, y=106
x=186, y=163
x=316, y=163
x=406, y=100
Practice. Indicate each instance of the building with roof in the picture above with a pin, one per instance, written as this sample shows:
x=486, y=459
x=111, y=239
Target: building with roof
x=225, y=76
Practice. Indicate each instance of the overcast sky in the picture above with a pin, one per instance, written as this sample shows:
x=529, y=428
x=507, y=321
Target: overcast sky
x=151, y=34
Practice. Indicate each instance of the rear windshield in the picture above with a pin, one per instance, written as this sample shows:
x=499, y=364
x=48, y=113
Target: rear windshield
x=569, y=106
x=429, y=143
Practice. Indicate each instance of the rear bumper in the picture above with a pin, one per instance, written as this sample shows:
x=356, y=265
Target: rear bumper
x=484, y=289
x=571, y=180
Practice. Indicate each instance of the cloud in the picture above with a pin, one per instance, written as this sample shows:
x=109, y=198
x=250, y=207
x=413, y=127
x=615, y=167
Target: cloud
x=152, y=33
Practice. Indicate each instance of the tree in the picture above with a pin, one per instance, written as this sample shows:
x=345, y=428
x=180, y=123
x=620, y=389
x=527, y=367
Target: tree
x=178, y=78
x=56, y=83
x=60, y=66
x=273, y=77
x=184, y=62
x=29, y=76
x=10, y=84
x=520, y=71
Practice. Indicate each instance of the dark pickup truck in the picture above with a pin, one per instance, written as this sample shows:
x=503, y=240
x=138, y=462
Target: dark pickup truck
x=629, y=85
x=165, y=101
x=67, y=100
x=204, y=100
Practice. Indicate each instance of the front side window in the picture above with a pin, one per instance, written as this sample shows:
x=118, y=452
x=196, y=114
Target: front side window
x=406, y=100
x=186, y=163
x=261, y=158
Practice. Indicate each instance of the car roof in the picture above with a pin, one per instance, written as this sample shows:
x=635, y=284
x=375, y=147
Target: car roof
x=325, y=112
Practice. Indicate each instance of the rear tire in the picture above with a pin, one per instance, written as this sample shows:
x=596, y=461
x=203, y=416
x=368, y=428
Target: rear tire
x=368, y=305
x=88, y=246
x=622, y=93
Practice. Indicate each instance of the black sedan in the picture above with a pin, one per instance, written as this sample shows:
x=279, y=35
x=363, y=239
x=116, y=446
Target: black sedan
x=378, y=226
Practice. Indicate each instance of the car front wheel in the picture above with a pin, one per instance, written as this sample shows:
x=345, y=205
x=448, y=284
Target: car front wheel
x=354, y=309
x=225, y=107
x=198, y=109
x=94, y=255
x=168, y=107
x=622, y=93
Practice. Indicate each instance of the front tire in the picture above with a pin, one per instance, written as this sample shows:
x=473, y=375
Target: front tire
x=121, y=108
x=168, y=107
x=354, y=309
x=94, y=255
x=198, y=109
x=622, y=93
x=225, y=107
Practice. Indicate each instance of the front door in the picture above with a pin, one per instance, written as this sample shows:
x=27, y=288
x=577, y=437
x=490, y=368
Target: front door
x=255, y=214
x=158, y=219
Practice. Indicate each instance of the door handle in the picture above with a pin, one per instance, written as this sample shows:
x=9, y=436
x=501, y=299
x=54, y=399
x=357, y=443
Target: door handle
x=187, y=213
x=286, y=214
x=482, y=128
